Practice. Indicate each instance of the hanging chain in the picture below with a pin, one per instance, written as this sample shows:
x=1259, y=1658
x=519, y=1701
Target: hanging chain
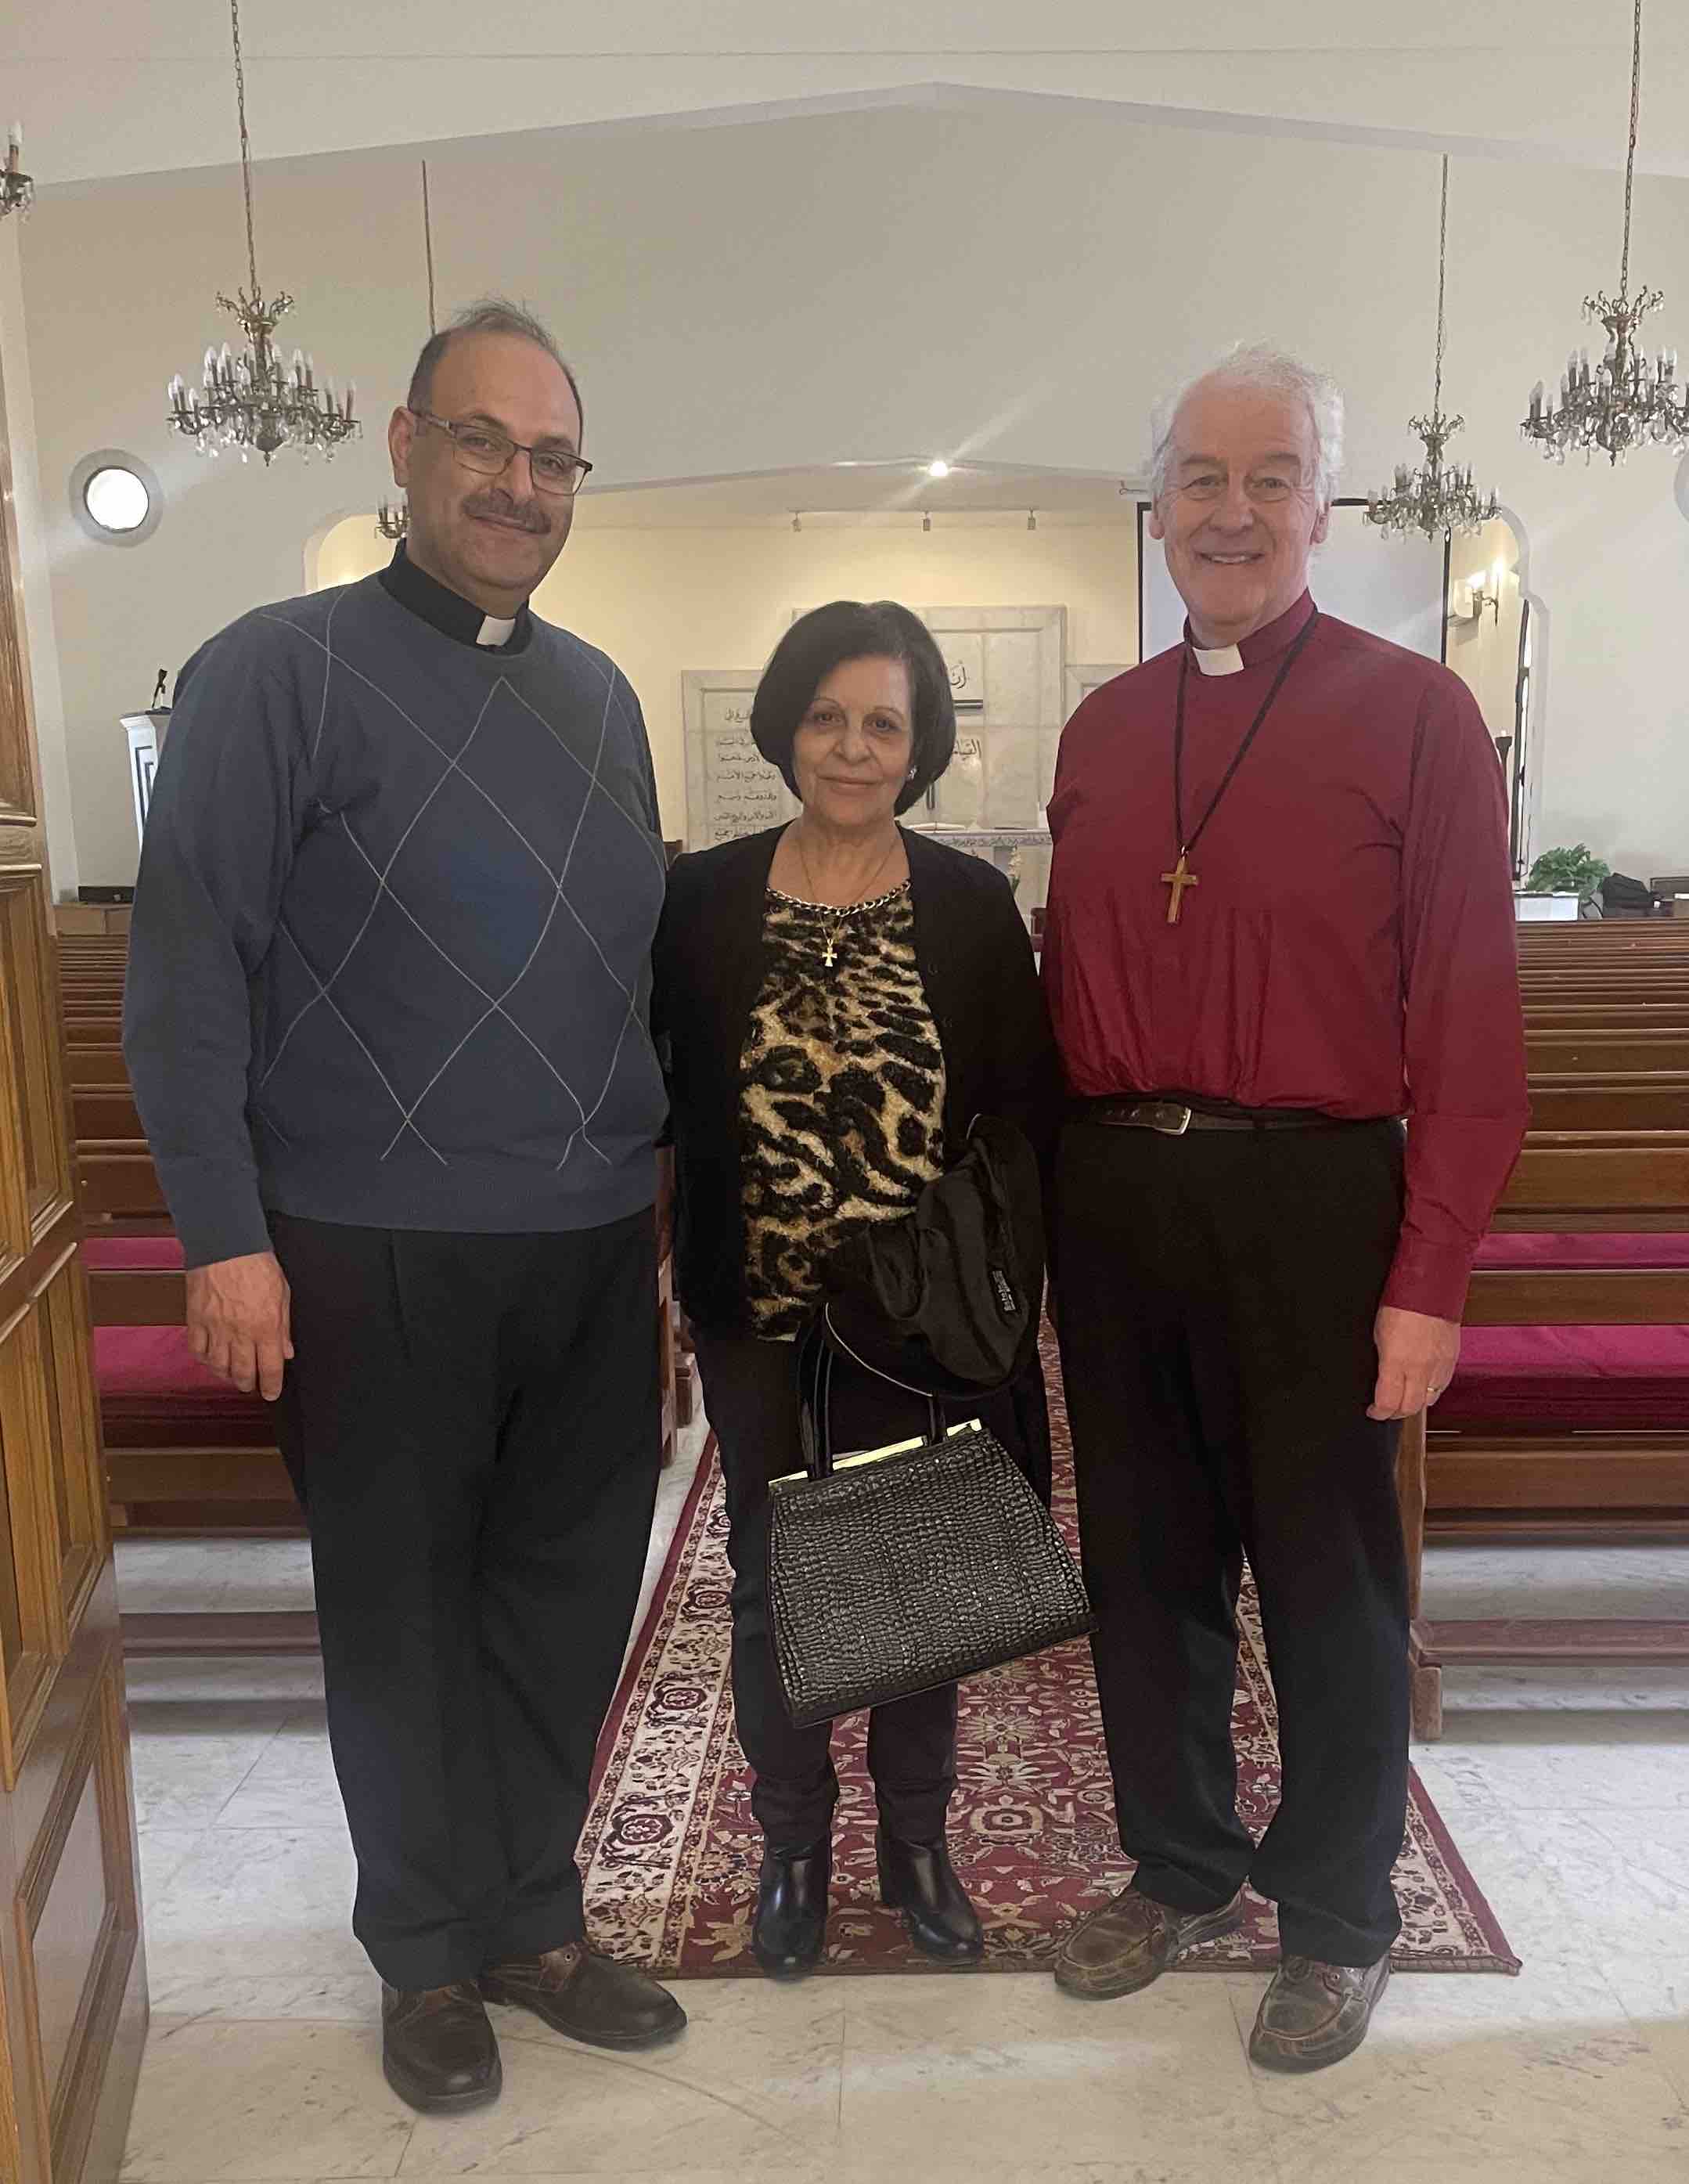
x=428, y=246
x=1443, y=275
x=246, y=148
x=1631, y=156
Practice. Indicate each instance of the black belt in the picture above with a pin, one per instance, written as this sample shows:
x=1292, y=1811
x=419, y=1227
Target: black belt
x=1173, y=1118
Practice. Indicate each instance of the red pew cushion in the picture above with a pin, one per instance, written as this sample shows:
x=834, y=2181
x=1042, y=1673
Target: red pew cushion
x=128, y=1255
x=1591, y=1248
x=154, y=1393
x=1571, y=1379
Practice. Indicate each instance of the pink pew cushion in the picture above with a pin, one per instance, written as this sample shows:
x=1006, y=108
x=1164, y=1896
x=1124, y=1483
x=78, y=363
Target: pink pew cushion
x=1571, y=1379
x=1591, y=1248
x=154, y=1393
x=128, y=1255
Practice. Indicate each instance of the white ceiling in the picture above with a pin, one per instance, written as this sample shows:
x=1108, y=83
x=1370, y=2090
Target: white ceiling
x=866, y=495
x=107, y=88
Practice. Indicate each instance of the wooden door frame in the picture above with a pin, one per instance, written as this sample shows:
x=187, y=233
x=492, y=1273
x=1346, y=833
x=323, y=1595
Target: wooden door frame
x=73, y=2001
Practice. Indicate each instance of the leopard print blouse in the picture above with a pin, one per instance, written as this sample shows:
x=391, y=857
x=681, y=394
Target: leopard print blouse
x=841, y=1094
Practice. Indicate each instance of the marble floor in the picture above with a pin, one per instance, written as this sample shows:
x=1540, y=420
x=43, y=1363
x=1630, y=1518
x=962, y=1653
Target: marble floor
x=1567, y=1792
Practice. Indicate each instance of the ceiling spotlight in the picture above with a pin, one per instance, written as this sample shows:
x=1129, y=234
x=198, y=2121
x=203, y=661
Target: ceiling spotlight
x=938, y=467
x=1031, y=520
x=926, y=520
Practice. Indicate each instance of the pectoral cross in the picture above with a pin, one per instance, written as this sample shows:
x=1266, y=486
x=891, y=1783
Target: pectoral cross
x=1180, y=877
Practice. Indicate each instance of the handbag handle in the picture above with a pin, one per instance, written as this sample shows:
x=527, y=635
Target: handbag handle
x=815, y=1399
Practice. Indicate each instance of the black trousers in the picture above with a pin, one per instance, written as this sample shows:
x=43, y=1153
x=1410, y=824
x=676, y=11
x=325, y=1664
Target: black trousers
x=473, y=1424
x=1217, y=1295
x=751, y=1393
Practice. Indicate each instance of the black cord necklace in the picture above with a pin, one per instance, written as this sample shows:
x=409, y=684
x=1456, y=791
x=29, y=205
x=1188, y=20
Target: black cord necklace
x=1181, y=877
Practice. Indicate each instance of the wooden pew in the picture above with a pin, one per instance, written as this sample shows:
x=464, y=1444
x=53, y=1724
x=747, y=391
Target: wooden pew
x=1599, y=1052
x=1643, y=1099
x=1607, y=1157
x=190, y=1450
x=1587, y=940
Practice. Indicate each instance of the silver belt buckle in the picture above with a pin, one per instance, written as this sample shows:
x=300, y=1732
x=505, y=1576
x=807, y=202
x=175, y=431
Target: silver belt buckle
x=1167, y=1116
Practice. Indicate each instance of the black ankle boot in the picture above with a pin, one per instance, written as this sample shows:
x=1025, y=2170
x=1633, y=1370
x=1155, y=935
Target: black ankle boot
x=919, y=1880
x=790, y=1929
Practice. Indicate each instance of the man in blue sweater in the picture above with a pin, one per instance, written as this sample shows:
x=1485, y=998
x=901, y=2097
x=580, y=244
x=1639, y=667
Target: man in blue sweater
x=387, y=1026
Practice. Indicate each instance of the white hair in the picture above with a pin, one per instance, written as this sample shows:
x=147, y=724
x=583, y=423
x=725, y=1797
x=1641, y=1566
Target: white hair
x=1263, y=369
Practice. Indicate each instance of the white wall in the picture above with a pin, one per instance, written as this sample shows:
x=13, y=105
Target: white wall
x=1485, y=654
x=727, y=595
x=41, y=640
x=873, y=286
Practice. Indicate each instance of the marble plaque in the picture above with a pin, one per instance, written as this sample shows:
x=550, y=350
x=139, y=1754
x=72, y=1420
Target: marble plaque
x=1014, y=661
x=730, y=788
x=960, y=799
x=965, y=657
x=1012, y=777
x=743, y=793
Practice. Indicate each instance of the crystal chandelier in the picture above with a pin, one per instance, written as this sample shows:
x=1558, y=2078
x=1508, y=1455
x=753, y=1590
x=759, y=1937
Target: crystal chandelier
x=253, y=401
x=17, y=189
x=1625, y=401
x=394, y=522
x=1432, y=499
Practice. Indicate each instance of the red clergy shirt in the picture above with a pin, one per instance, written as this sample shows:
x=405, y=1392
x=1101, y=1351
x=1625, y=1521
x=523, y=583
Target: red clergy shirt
x=1350, y=947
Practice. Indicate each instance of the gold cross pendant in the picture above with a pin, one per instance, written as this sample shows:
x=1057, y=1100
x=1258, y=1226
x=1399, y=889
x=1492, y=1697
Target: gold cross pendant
x=1180, y=877
x=828, y=958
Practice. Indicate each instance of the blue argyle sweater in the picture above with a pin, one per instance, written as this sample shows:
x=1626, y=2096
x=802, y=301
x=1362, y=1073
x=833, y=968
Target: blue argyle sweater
x=389, y=963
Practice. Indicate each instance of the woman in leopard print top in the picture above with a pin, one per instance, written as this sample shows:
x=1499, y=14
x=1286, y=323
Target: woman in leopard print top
x=839, y=1000
x=842, y=1107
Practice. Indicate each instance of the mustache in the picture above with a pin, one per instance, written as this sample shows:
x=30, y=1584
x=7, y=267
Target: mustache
x=531, y=517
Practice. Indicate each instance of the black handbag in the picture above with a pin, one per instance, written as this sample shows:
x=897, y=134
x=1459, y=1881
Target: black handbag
x=895, y=1570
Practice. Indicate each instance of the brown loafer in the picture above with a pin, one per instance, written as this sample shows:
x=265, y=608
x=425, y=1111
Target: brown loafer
x=437, y=2049
x=1132, y=1939
x=588, y=1997
x=1315, y=2013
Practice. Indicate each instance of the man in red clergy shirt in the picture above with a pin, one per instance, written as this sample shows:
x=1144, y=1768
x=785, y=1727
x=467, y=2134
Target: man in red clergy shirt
x=1280, y=920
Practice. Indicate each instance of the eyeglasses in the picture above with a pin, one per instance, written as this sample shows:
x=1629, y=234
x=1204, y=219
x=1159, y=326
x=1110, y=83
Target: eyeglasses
x=1262, y=488
x=488, y=453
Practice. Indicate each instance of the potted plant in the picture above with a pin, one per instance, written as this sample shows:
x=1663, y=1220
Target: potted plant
x=1569, y=877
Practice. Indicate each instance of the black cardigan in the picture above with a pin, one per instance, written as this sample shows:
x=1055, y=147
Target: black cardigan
x=982, y=985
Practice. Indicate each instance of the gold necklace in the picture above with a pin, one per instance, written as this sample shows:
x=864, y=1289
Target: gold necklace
x=849, y=909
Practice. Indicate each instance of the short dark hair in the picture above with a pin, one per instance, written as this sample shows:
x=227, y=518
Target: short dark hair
x=823, y=639
x=493, y=314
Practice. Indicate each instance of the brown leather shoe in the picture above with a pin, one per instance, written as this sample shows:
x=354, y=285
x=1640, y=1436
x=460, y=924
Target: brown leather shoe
x=588, y=1997
x=437, y=2049
x=1132, y=1939
x=1315, y=2013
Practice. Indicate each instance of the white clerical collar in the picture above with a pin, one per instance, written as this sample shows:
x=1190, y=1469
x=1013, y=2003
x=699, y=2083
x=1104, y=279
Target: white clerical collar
x=495, y=633
x=1224, y=660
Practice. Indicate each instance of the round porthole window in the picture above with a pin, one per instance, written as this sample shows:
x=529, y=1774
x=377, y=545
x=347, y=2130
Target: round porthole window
x=115, y=498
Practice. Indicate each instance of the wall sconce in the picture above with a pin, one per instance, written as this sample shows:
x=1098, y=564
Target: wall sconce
x=17, y=189
x=1488, y=595
x=1473, y=595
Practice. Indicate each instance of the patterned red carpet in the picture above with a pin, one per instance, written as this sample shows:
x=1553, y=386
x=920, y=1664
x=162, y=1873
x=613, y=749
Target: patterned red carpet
x=671, y=1850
